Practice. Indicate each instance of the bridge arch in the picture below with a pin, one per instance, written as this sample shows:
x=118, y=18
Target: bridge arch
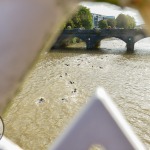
x=113, y=43
x=64, y=40
x=143, y=43
x=116, y=37
x=110, y=39
x=73, y=36
x=139, y=38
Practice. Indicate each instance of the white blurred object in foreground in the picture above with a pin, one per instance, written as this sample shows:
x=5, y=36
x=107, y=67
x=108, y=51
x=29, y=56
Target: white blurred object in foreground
x=6, y=144
x=100, y=123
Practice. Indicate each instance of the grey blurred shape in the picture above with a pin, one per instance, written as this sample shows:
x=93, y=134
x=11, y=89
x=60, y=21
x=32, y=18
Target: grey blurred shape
x=26, y=27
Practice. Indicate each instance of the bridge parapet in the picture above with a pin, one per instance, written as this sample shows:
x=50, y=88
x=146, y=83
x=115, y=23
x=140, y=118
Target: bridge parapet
x=104, y=31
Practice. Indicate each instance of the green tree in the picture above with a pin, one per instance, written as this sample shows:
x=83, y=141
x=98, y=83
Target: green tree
x=70, y=24
x=131, y=22
x=125, y=21
x=103, y=24
x=122, y=21
x=111, y=22
x=82, y=18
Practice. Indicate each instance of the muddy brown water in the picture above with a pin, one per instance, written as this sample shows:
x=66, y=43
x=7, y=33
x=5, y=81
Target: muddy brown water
x=65, y=79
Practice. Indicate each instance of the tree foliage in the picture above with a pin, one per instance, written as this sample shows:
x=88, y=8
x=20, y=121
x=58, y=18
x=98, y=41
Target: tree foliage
x=131, y=22
x=70, y=24
x=121, y=21
x=111, y=22
x=103, y=24
x=125, y=21
x=82, y=18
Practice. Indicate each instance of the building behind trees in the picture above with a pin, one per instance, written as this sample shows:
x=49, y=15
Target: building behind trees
x=97, y=17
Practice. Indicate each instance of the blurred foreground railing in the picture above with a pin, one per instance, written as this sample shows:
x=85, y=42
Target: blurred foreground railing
x=6, y=144
x=101, y=123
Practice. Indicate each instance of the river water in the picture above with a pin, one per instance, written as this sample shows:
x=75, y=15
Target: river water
x=65, y=79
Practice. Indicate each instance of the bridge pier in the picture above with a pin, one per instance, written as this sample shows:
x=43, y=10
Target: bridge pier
x=130, y=45
x=89, y=44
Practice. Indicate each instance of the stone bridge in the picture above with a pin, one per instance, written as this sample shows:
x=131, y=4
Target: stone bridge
x=93, y=37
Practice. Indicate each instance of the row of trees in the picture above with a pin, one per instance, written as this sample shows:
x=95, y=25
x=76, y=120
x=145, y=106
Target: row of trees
x=122, y=21
x=83, y=19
